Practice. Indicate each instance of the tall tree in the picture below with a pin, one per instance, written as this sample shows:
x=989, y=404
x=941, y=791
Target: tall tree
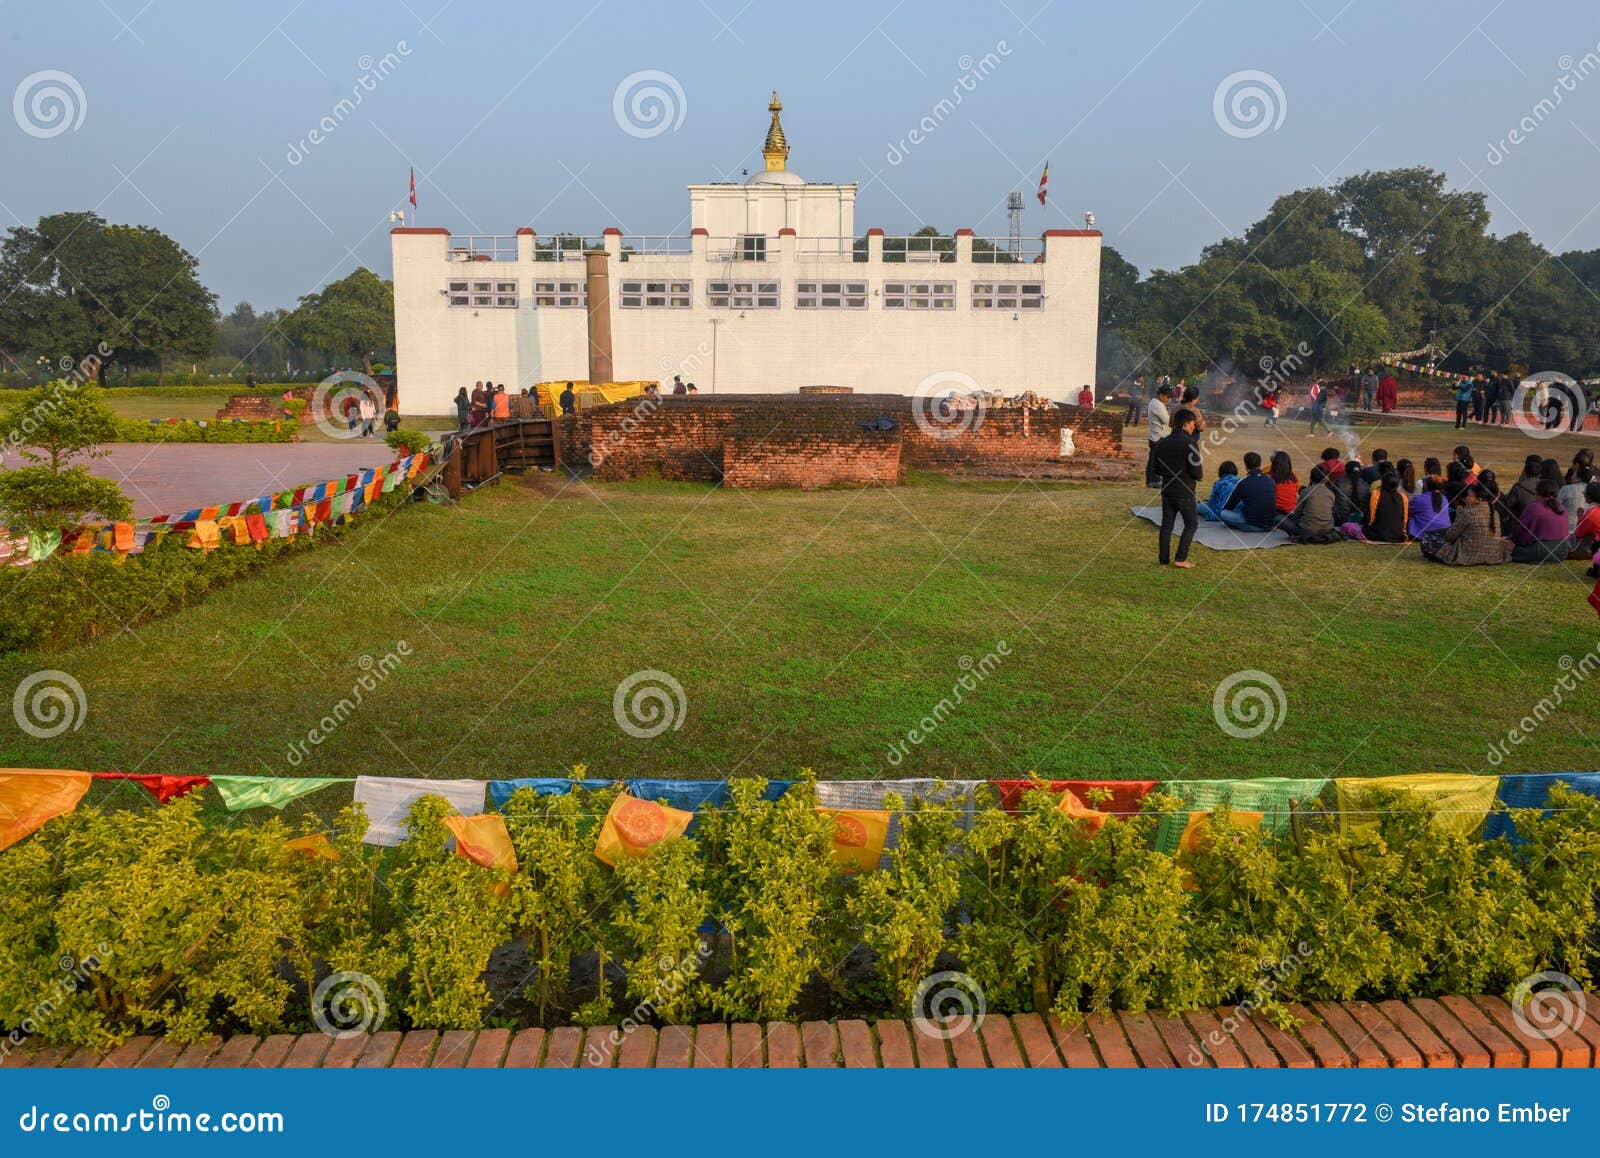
x=80, y=286
x=349, y=319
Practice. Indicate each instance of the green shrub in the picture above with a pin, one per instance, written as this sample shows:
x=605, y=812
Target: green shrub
x=189, y=430
x=409, y=441
x=36, y=499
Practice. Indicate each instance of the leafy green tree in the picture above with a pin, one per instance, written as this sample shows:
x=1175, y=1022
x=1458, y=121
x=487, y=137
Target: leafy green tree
x=58, y=422
x=349, y=319
x=128, y=295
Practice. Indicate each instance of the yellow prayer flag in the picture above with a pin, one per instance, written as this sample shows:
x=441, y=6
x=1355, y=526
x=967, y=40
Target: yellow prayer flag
x=633, y=827
x=858, y=837
x=29, y=798
x=1199, y=829
x=316, y=846
x=206, y=535
x=1461, y=800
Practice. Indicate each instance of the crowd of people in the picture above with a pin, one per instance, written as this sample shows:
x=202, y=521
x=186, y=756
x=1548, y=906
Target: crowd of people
x=1457, y=512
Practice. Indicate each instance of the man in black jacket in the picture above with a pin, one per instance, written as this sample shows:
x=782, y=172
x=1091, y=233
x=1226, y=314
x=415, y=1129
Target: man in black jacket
x=1177, y=463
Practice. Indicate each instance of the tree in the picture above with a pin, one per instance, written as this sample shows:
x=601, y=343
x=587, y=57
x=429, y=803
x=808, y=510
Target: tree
x=349, y=319
x=126, y=294
x=59, y=422
x=35, y=500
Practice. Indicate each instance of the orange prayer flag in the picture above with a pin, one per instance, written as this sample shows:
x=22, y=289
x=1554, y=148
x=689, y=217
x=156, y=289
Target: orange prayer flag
x=483, y=839
x=858, y=837
x=316, y=846
x=206, y=535
x=122, y=537
x=633, y=827
x=1093, y=818
x=29, y=798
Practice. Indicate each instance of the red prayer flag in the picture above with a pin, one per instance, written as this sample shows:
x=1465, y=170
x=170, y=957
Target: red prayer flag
x=163, y=788
x=1123, y=800
x=413, y=187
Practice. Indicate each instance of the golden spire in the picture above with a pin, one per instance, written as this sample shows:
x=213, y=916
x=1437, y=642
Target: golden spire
x=776, y=148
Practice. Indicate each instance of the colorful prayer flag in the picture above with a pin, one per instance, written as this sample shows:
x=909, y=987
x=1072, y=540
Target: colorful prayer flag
x=162, y=787
x=1044, y=183
x=483, y=840
x=388, y=799
x=633, y=827
x=314, y=845
x=1461, y=801
x=858, y=837
x=241, y=792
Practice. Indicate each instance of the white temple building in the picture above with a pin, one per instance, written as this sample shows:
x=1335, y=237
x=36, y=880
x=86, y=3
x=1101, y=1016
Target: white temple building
x=771, y=290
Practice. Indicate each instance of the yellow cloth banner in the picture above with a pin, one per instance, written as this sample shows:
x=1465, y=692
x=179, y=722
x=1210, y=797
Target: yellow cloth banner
x=28, y=799
x=206, y=535
x=858, y=837
x=1199, y=829
x=633, y=827
x=483, y=840
x=1461, y=801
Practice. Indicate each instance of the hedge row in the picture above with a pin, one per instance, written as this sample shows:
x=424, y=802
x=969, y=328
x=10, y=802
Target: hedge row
x=68, y=600
x=172, y=920
x=134, y=430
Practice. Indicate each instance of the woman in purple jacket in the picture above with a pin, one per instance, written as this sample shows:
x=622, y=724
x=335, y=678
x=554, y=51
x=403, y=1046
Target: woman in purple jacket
x=1540, y=531
x=1429, y=510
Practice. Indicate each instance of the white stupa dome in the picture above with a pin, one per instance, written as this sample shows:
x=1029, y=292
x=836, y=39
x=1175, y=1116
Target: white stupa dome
x=776, y=177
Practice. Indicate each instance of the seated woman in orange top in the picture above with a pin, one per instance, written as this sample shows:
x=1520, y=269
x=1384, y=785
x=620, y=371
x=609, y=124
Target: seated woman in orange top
x=1282, y=472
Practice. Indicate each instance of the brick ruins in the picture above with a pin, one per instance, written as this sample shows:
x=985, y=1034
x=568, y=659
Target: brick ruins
x=816, y=440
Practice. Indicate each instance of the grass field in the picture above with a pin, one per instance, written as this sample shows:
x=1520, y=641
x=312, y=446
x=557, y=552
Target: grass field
x=816, y=629
x=143, y=407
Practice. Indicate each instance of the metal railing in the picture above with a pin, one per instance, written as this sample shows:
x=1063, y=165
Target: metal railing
x=1000, y=251
x=657, y=245
x=830, y=249
x=919, y=249
x=484, y=247
x=567, y=246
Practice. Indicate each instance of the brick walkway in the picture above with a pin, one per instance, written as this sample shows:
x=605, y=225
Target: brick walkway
x=1449, y=1031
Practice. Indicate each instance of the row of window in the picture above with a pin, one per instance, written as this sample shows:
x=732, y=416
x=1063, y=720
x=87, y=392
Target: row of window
x=753, y=295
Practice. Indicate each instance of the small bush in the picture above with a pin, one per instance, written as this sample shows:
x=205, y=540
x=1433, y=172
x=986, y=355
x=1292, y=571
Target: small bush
x=281, y=430
x=409, y=441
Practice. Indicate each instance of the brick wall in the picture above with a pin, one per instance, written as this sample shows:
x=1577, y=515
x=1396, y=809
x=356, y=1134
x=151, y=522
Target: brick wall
x=809, y=448
x=817, y=440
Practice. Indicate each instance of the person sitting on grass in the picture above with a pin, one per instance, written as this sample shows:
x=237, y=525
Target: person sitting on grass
x=1380, y=459
x=1540, y=532
x=1526, y=489
x=1329, y=459
x=1282, y=472
x=1390, y=510
x=1455, y=481
x=1431, y=468
x=1463, y=455
x=1430, y=511
x=1586, y=536
x=1407, y=470
x=1253, y=503
x=1582, y=461
x=1313, y=517
x=1572, y=497
x=1474, y=538
x=1227, y=479
x=1352, y=495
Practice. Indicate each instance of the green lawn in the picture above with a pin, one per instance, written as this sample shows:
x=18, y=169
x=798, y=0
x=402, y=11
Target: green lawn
x=816, y=629
x=146, y=406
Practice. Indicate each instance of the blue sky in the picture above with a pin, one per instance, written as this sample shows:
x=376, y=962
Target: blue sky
x=194, y=118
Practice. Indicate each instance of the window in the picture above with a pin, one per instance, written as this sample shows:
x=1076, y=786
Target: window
x=1007, y=295
x=482, y=295
x=742, y=295
x=919, y=295
x=753, y=247
x=560, y=294
x=830, y=295
x=672, y=295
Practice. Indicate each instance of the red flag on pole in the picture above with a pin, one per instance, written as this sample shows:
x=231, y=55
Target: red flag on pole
x=413, y=187
x=1044, y=182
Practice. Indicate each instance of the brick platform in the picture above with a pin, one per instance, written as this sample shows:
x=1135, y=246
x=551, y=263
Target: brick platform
x=1422, y=1033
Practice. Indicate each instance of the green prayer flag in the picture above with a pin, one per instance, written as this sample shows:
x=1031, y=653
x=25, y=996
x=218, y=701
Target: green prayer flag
x=43, y=544
x=1274, y=796
x=240, y=792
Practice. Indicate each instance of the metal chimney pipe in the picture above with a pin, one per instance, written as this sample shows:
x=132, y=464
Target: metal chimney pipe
x=597, y=275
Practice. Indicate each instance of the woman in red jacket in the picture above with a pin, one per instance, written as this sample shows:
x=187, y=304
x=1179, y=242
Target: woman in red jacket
x=1282, y=473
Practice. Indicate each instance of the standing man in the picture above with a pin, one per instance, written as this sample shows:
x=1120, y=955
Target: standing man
x=1491, y=399
x=463, y=407
x=1480, y=397
x=677, y=385
x=1135, y=400
x=1388, y=393
x=569, y=400
x=250, y=380
x=1177, y=463
x=1463, y=402
x=1157, y=426
x=1319, y=407
x=1369, y=388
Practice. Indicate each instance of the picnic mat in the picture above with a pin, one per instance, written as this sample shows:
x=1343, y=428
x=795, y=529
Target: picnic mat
x=1220, y=536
